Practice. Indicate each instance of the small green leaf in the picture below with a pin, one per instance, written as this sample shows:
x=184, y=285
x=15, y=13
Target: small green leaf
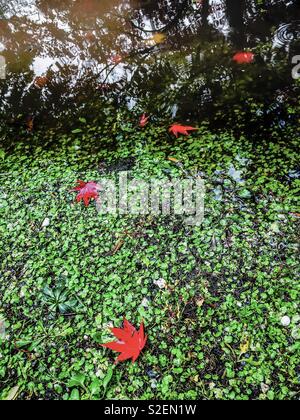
x=95, y=387
x=108, y=377
x=77, y=380
x=75, y=396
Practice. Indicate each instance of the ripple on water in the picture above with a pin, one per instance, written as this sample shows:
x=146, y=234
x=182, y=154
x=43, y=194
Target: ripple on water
x=287, y=33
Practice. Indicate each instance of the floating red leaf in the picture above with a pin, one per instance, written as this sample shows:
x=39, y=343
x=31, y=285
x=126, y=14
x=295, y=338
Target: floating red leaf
x=116, y=58
x=130, y=341
x=244, y=57
x=144, y=120
x=181, y=129
x=40, y=82
x=87, y=191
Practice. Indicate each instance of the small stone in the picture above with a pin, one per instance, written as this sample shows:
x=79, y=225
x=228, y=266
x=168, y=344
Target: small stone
x=160, y=283
x=153, y=383
x=285, y=321
x=145, y=303
x=264, y=388
x=46, y=223
x=151, y=373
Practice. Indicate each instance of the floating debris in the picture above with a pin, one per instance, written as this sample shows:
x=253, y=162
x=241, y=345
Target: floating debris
x=245, y=57
x=40, y=82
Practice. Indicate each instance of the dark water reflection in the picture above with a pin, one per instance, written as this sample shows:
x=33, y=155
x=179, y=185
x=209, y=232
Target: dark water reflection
x=168, y=58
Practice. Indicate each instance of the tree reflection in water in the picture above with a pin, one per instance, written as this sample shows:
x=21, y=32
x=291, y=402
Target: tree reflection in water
x=172, y=58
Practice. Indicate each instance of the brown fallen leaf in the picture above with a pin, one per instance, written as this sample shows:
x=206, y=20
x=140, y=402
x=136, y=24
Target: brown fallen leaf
x=171, y=159
x=117, y=247
x=12, y=393
x=200, y=301
x=244, y=346
x=90, y=36
x=40, y=81
x=29, y=123
x=295, y=214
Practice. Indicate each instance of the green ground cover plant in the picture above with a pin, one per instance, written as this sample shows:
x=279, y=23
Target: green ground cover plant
x=212, y=297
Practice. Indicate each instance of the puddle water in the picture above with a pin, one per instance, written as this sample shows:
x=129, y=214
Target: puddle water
x=171, y=58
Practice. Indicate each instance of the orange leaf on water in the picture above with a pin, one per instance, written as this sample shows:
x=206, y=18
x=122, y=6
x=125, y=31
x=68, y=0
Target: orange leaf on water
x=40, y=81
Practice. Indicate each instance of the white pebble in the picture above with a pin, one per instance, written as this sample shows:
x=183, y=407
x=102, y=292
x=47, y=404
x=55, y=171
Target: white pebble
x=285, y=321
x=145, y=303
x=160, y=283
x=46, y=222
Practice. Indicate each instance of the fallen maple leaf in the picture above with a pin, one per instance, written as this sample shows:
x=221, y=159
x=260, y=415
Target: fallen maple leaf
x=117, y=247
x=181, y=129
x=171, y=159
x=144, y=120
x=87, y=191
x=243, y=57
x=116, y=58
x=40, y=81
x=130, y=342
x=29, y=123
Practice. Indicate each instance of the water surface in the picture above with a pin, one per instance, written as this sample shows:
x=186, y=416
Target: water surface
x=167, y=58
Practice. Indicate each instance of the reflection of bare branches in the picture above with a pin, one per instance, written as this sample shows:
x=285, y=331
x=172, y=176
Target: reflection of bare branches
x=167, y=26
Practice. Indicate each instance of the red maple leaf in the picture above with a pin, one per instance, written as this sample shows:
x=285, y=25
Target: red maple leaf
x=144, y=120
x=244, y=57
x=116, y=59
x=181, y=129
x=130, y=342
x=87, y=191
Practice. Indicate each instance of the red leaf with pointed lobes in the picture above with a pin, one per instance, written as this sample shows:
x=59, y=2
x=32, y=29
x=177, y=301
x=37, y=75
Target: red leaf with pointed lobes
x=87, y=191
x=244, y=57
x=130, y=342
x=144, y=120
x=181, y=129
